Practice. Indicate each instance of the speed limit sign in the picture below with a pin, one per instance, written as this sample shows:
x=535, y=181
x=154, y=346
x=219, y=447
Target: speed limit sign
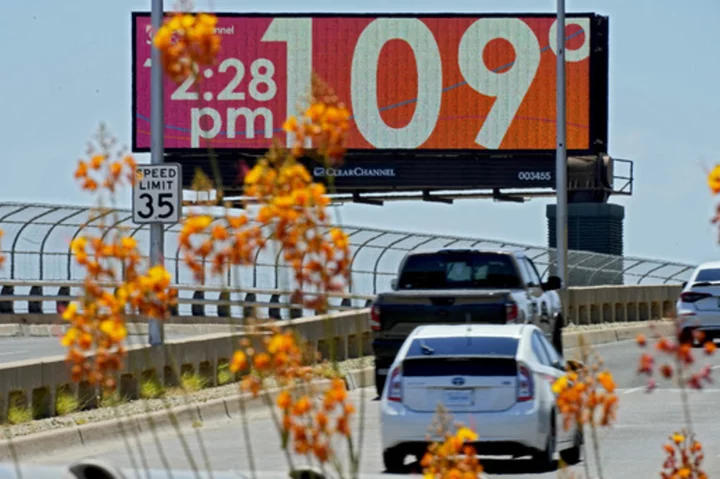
x=157, y=194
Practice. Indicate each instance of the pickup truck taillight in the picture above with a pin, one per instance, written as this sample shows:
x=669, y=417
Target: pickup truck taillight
x=375, y=318
x=525, y=384
x=511, y=312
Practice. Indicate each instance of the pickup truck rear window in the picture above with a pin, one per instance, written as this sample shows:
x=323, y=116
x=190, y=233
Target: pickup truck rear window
x=463, y=346
x=459, y=271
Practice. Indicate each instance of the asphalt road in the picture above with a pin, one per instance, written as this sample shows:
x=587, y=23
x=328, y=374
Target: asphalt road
x=632, y=448
x=21, y=348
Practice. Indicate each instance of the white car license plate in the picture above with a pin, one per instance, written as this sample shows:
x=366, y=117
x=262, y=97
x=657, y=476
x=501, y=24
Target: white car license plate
x=458, y=397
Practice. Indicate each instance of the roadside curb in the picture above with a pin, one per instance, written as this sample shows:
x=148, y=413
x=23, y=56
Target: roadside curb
x=571, y=339
x=124, y=428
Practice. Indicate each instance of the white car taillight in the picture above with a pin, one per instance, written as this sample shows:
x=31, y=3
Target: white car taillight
x=525, y=384
x=693, y=296
x=375, y=318
x=511, y=312
x=395, y=385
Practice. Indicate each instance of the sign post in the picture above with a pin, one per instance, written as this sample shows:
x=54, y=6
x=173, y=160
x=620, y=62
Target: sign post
x=157, y=200
x=156, y=333
x=561, y=252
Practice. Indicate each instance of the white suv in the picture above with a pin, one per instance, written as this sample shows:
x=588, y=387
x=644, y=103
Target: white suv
x=496, y=379
x=698, y=307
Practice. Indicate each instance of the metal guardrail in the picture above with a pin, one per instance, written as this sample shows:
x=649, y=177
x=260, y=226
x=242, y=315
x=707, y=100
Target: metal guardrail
x=192, y=300
x=37, y=239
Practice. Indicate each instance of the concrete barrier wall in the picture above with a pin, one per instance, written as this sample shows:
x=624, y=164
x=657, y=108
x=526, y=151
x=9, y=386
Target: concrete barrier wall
x=37, y=383
x=342, y=335
x=597, y=304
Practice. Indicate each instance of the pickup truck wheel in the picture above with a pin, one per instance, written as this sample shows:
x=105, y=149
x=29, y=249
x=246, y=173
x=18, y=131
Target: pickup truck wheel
x=379, y=382
x=557, y=335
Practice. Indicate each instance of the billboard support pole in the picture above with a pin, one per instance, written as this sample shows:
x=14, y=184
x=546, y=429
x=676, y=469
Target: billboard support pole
x=561, y=153
x=156, y=333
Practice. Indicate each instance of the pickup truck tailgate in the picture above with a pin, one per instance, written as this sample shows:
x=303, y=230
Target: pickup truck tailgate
x=402, y=311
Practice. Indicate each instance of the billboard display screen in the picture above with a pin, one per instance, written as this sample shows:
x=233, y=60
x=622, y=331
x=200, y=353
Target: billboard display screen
x=424, y=83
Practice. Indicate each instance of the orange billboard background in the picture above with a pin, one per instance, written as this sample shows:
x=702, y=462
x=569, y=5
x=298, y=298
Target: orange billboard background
x=463, y=110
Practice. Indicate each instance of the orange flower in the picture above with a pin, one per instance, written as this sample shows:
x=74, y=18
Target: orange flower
x=578, y=396
x=97, y=321
x=186, y=42
x=301, y=406
x=684, y=456
x=239, y=362
x=713, y=180
x=284, y=400
x=262, y=361
x=452, y=458
x=680, y=351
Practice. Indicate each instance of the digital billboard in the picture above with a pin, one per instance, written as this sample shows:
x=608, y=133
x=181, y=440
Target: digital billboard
x=412, y=82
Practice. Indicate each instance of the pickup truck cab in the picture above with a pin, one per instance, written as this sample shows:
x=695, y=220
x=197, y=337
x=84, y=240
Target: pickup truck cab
x=455, y=286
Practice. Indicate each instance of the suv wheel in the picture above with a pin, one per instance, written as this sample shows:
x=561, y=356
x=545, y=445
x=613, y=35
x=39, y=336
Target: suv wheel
x=557, y=335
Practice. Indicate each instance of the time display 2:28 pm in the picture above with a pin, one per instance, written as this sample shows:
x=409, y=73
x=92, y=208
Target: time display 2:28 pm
x=261, y=87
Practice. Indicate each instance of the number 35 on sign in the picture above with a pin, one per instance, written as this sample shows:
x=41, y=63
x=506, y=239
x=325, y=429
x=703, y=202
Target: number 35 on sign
x=157, y=194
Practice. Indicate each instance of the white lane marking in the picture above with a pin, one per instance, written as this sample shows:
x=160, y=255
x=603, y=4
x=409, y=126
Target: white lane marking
x=9, y=353
x=632, y=390
x=662, y=389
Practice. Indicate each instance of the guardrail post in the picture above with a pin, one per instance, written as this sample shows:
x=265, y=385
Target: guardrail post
x=296, y=312
x=249, y=311
x=198, y=309
x=7, y=307
x=274, y=313
x=223, y=310
x=61, y=304
x=35, y=307
x=174, y=310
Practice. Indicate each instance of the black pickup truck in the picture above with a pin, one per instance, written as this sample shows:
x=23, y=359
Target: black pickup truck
x=462, y=286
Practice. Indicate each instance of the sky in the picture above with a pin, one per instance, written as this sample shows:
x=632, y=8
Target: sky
x=67, y=69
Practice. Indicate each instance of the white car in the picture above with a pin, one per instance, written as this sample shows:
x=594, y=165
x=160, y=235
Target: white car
x=496, y=379
x=698, y=306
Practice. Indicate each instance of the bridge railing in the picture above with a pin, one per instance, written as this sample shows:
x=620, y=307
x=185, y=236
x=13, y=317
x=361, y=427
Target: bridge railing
x=37, y=246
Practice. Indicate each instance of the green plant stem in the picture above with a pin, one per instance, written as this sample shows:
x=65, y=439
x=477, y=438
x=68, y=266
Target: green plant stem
x=583, y=448
x=13, y=452
x=268, y=401
x=128, y=447
x=596, y=450
x=246, y=434
x=684, y=399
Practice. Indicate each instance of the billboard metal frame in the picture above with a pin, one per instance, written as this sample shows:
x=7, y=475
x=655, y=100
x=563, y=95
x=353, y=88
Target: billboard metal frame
x=461, y=170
